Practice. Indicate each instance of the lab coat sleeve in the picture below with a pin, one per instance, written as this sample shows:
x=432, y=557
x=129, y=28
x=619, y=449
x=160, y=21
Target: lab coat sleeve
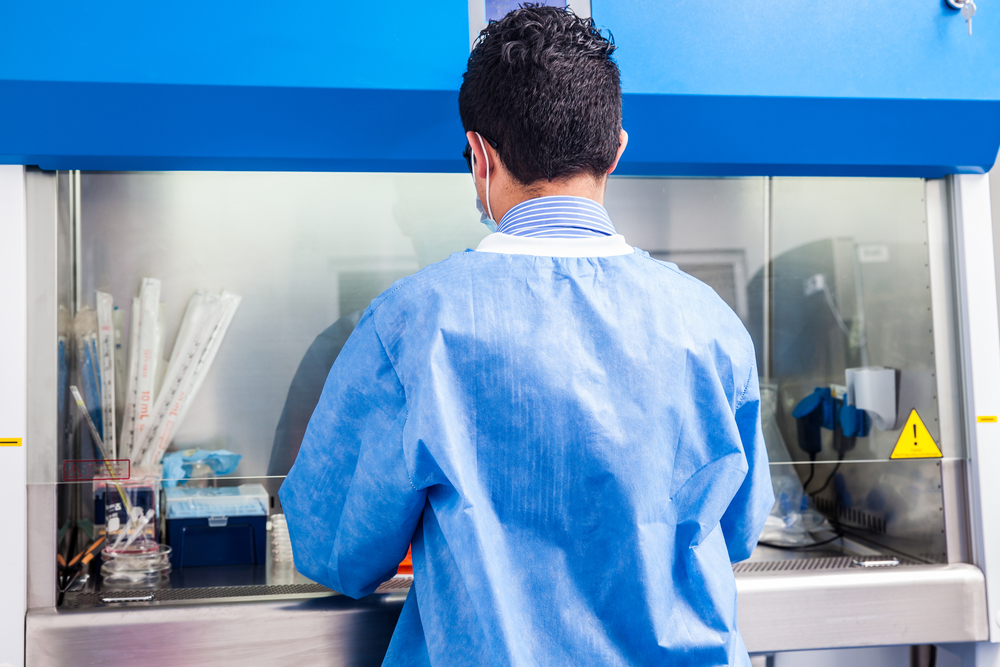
x=350, y=505
x=745, y=516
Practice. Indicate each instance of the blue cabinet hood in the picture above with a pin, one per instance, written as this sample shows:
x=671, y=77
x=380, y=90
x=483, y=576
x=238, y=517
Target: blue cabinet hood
x=747, y=88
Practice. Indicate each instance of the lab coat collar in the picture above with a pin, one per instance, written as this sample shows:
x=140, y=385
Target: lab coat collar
x=597, y=246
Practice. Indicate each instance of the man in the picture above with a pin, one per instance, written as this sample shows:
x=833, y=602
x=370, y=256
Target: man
x=566, y=430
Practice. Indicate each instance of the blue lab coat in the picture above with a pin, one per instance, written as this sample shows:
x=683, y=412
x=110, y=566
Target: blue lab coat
x=573, y=446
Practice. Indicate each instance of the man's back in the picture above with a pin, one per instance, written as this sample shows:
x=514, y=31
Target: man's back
x=566, y=439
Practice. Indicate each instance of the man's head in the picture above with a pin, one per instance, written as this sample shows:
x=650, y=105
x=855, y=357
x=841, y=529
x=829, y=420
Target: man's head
x=542, y=90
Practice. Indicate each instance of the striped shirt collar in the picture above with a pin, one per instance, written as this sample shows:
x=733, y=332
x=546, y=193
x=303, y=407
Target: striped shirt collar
x=557, y=217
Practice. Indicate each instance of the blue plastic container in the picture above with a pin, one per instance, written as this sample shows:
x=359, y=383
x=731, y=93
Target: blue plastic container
x=217, y=540
x=226, y=526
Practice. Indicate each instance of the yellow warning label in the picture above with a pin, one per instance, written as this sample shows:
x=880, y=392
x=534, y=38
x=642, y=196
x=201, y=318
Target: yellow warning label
x=915, y=442
x=986, y=419
x=10, y=442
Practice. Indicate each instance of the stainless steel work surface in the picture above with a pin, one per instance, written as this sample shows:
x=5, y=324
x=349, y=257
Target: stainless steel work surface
x=810, y=609
x=828, y=606
x=332, y=631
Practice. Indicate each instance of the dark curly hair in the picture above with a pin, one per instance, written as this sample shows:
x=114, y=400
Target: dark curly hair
x=541, y=84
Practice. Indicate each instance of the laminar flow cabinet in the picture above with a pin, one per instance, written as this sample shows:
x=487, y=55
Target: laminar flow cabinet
x=869, y=543
x=828, y=203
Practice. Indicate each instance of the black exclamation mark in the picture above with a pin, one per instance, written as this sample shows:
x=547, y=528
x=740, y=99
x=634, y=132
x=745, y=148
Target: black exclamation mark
x=914, y=435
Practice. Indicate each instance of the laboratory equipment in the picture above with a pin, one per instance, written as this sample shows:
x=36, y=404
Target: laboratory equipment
x=860, y=504
x=145, y=354
x=281, y=543
x=193, y=467
x=136, y=567
x=217, y=526
x=310, y=249
x=874, y=391
x=105, y=354
x=120, y=504
x=201, y=333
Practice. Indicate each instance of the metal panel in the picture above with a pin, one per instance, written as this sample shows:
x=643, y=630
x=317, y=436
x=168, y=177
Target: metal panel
x=947, y=372
x=777, y=611
x=322, y=632
x=13, y=370
x=49, y=288
x=904, y=605
x=859, y=96
x=44, y=295
x=41, y=191
x=896, y=505
x=798, y=48
x=947, y=360
x=979, y=332
x=42, y=546
x=397, y=44
x=955, y=497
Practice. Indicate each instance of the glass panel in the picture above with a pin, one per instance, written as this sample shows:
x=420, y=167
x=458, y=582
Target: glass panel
x=827, y=274
x=851, y=289
x=307, y=253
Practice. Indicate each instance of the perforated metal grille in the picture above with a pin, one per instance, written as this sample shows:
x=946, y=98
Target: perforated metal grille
x=851, y=516
x=207, y=593
x=146, y=596
x=809, y=564
x=395, y=584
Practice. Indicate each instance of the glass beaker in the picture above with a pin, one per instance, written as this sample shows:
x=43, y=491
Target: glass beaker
x=136, y=533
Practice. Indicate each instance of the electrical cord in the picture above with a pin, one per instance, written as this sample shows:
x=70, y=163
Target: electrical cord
x=836, y=312
x=800, y=547
x=862, y=334
x=812, y=471
x=829, y=479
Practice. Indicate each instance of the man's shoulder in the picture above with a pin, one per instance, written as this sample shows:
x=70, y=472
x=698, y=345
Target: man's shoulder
x=687, y=287
x=704, y=312
x=433, y=277
x=671, y=274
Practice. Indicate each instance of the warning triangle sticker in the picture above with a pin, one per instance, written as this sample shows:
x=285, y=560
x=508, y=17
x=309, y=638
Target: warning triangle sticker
x=915, y=442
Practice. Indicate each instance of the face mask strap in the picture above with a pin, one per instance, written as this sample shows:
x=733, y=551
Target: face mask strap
x=489, y=211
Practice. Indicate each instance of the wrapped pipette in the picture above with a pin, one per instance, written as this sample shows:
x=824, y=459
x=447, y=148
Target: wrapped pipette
x=206, y=321
x=106, y=366
x=88, y=363
x=143, y=361
x=121, y=363
x=127, y=428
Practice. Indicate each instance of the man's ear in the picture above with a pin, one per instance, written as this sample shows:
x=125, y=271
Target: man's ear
x=479, y=158
x=623, y=142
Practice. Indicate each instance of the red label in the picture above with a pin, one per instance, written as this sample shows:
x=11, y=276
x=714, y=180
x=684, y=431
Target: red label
x=82, y=470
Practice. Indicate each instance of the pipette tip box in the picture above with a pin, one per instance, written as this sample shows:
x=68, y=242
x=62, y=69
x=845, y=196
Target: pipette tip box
x=223, y=526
